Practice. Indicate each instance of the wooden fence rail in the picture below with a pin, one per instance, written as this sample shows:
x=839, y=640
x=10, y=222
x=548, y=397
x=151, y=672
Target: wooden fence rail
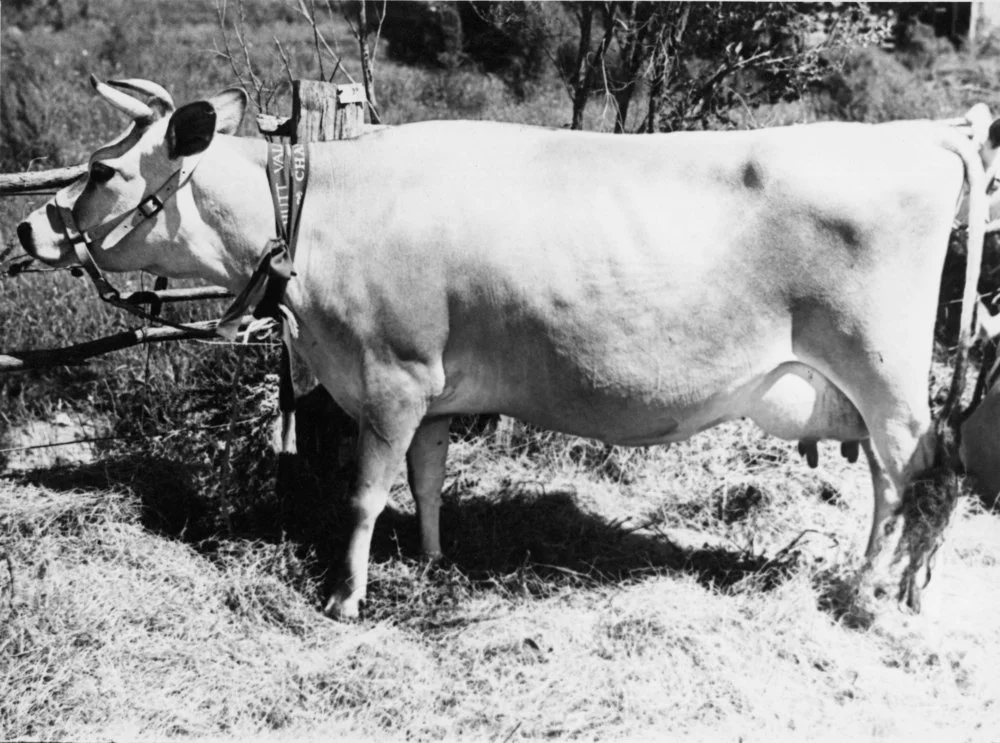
x=79, y=353
x=42, y=181
x=188, y=294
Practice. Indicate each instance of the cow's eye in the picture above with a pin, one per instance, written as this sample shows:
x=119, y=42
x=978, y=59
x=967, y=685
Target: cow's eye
x=101, y=173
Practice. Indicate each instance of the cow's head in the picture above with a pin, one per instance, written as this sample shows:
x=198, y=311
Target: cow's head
x=115, y=211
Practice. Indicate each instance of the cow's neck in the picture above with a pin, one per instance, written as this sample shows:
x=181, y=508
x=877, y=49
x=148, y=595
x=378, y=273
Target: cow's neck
x=234, y=203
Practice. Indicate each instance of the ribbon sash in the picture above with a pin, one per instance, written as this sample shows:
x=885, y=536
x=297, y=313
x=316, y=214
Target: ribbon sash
x=287, y=175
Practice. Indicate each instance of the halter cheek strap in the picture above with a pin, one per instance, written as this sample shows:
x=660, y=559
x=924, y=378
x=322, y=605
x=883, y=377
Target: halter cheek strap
x=118, y=227
x=151, y=205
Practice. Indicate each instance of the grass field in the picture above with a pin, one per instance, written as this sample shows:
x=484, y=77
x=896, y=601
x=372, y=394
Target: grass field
x=650, y=600
x=699, y=592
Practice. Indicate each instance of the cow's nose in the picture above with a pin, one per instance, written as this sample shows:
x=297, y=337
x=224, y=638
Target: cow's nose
x=24, y=234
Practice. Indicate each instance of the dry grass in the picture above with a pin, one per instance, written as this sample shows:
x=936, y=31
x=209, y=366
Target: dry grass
x=575, y=604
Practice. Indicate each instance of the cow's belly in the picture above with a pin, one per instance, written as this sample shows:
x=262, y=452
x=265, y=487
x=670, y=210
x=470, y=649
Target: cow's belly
x=637, y=404
x=630, y=396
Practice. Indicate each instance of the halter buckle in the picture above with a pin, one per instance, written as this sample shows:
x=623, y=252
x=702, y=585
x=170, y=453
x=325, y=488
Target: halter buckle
x=150, y=206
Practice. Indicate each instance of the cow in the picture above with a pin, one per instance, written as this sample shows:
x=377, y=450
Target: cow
x=635, y=289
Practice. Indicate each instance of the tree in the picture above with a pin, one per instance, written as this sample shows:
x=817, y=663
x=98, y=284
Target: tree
x=718, y=57
x=697, y=61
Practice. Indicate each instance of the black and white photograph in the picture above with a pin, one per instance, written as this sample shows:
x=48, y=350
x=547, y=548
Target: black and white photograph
x=495, y=370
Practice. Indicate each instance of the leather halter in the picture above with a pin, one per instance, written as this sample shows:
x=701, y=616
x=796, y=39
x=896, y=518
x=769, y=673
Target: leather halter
x=117, y=229
x=287, y=171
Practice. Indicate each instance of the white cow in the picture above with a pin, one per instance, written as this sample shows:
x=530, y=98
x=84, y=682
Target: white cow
x=634, y=289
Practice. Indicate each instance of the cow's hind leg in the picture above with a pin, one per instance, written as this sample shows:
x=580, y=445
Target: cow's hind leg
x=425, y=468
x=908, y=485
x=909, y=522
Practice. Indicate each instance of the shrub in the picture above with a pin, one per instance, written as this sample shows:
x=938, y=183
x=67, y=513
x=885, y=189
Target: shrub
x=427, y=34
x=505, y=39
x=874, y=86
x=510, y=39
x=54, y=14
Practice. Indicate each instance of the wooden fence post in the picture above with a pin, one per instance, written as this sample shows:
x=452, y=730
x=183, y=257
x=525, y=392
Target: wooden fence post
x=317, y=435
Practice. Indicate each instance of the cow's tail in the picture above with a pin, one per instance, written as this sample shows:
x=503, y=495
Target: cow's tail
x=975, y=180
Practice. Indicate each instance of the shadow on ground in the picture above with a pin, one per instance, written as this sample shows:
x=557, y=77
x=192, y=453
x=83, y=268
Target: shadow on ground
x=549, y=531
x=486, y=538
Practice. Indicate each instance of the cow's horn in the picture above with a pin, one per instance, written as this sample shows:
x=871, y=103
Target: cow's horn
x=122, y=101
x=158, y=93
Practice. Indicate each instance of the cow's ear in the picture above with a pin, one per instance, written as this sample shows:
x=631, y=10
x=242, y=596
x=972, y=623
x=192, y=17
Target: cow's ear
x=229, y=105
x=191, y=129
x=995, y=133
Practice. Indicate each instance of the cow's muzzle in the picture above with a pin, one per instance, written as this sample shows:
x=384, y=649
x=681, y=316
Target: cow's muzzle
x=42, y=243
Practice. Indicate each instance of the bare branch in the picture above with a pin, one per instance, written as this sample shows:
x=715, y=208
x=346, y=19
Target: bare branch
x=592, y=65
x=309, y=13
x=378, y=34
x=254, y=88
x=284, y=60
x=367, y=73
x=315, y=30
x=578, y=79
x=347, y=17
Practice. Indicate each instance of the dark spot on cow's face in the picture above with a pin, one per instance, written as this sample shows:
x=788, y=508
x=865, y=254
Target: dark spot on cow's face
x=753, y=177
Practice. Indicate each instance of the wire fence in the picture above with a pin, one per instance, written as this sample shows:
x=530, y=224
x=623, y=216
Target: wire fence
x=256, y=419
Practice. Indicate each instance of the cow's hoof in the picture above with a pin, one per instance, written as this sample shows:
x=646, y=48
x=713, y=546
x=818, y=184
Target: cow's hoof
x=809, y=450
x=432, y=559
x=910, y=595
x=343, y=609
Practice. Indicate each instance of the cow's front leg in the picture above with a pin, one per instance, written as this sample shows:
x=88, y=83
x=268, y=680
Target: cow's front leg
x=425, y=469
x=386, y=427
